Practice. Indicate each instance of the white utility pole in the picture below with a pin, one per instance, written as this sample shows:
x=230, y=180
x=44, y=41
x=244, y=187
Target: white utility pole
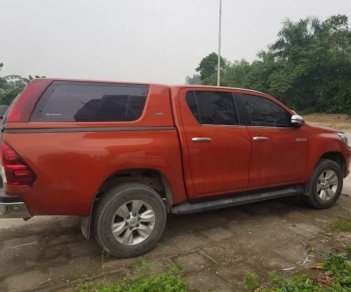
x=219, y=44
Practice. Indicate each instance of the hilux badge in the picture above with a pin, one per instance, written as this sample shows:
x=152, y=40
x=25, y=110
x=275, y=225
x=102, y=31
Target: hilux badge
x=301, y=139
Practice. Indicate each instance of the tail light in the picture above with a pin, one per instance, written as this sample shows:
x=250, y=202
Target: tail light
x=14, y=170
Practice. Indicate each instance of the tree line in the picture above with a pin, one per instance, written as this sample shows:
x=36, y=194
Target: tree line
x=308, y=67
x=12, y=85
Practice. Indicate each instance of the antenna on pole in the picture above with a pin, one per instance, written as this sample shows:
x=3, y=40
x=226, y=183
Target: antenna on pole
x=219, y=44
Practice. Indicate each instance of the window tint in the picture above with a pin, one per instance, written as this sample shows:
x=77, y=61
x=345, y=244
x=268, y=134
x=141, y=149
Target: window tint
x=264, y=112
x=91, y=102
x=191, y=101
x=212, y=107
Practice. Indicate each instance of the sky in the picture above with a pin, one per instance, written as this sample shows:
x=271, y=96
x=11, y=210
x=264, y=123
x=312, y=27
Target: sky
x=159, y=41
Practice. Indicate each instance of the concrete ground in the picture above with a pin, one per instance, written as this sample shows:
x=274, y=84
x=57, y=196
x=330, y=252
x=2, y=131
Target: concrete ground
x=214, y=249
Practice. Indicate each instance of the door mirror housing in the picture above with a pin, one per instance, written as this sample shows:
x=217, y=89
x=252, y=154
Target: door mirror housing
x=297, y=121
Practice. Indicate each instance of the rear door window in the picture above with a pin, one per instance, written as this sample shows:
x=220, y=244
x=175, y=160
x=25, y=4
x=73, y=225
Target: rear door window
x=72, y=101
x=212, y=107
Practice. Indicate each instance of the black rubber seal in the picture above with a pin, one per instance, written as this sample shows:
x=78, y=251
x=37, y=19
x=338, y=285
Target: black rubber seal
x=9, y=199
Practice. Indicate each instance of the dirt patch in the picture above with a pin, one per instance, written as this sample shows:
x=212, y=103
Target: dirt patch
x=337, y=121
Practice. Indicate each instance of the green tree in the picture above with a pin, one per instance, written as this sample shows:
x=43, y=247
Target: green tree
x=195, y=79
x=12, y=85
x=208, y=68
x=308, y=67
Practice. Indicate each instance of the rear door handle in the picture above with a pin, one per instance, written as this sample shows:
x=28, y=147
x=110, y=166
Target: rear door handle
x=201, y=139
x=260, y=138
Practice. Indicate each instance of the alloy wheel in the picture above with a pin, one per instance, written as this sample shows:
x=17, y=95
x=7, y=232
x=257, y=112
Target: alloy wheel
x=133, y=222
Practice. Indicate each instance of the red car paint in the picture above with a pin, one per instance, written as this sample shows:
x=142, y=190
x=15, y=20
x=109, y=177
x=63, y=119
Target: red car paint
x=71, y=166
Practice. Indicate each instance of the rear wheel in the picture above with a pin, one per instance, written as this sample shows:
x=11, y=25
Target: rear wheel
x=129, y=220
x=325, y=186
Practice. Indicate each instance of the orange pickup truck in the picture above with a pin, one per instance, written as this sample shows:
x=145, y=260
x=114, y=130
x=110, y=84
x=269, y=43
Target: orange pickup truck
x=123, y=155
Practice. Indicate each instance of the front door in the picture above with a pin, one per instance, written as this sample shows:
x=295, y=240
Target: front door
x=279, y=151
x=217, y=149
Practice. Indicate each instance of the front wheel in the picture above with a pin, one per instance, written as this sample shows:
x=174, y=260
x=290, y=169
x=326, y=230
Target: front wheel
x=325, y=186
x=129, y=220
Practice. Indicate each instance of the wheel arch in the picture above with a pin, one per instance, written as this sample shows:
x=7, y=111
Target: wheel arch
x=151, y=177
x=333, y=155
x=148, y=176
x=337, y=157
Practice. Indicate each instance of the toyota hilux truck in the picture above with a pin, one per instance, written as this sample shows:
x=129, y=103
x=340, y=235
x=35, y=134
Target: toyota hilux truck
x=124, y=155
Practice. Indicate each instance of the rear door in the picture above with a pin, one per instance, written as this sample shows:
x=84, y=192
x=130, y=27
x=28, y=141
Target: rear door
x=279, y=151
x=217, y=147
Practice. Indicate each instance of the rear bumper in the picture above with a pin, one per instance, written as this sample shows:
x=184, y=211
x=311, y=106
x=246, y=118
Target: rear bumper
x=13, y=207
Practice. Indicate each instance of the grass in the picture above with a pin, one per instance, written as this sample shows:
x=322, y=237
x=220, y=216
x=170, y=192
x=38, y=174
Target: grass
x=142, y=281
x=341, y=225
x=251, y=281
x=334, y=275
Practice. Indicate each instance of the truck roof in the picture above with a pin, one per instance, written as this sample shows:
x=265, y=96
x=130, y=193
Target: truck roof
x=157, y=84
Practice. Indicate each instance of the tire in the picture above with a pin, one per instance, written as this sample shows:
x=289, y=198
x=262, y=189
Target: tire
x=135, y=233
x=325, y=186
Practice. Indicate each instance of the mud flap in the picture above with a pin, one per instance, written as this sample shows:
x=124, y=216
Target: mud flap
x=85, y=227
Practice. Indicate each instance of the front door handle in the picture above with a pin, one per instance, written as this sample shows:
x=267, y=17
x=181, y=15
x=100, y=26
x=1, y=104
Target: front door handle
x=201, y=139
x=260, y=138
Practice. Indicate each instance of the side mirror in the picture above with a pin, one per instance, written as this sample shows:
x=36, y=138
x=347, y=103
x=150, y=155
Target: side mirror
x=297, y=121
